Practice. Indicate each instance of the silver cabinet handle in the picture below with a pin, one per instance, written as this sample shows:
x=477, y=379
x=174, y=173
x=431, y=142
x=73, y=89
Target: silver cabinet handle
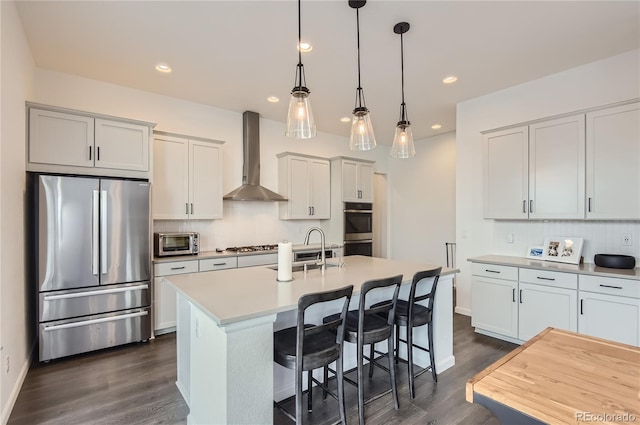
x=521, y=296
x=219, y=264
x=589, y=204
x=186, y=208
x=191, y=208
x=544, y=278
x=524, y=206
x=94, y=321
x=178, y=268
x=491, y=271
x=90, y=147
x=581, y=305
x=91, y=293
x=309, y=210
x=313, y=210
x=530, y=205
x=97, y=153
x=513, y=295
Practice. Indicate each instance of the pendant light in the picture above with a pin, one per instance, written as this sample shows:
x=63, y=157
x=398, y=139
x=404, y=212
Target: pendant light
x=403, y=139
x=362, y=137
x=300, y=123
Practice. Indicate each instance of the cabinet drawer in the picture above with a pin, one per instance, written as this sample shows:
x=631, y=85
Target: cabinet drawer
x=257, y=260
x=175, y=267
x=218, y=263
x=549, y=278
x=494, y=271
x=610, y=285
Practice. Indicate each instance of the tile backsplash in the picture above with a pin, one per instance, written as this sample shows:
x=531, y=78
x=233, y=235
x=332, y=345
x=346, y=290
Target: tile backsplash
x=244, y=223
x=600, y=237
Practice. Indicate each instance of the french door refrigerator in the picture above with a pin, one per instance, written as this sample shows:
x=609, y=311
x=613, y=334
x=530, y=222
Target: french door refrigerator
x=92, y=262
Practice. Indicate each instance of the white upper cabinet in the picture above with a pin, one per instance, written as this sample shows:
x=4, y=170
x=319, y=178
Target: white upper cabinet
x=506, y=171
x=557, y=168
x=536, y=171
x=187, y=178
x=306, y=182
x=64, y=141
x=357, y=180
x=613, y=163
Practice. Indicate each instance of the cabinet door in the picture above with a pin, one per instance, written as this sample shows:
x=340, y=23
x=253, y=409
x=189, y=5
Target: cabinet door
x=493, y=305
x=610, y=317
x=613, y=163
x=321, y=189
x=365, y=182
x=506, y=174
x=165, y=305
x=205, y=183
x=59, y=138
x=170, y=186
x=350, y=181
x=544, y=306
x=121, y=145
x=557, y=168
x=299, y=184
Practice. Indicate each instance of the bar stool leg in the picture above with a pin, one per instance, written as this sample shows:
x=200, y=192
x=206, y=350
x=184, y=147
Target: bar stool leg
x=371, y=354
x=326, y=380
x=432, y=354
x=412, y=390
x=309, y=394
x=340, y=377
x=360, y=381
x=392, y=371
x=397, y=343
x=298, y=396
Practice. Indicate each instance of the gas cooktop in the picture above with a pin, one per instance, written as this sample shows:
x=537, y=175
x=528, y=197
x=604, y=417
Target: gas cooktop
x=253, y=248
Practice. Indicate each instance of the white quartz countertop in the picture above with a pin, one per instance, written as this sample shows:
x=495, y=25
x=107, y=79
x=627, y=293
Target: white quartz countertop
x=234, y=295
x=587, y=268
x=215, y=254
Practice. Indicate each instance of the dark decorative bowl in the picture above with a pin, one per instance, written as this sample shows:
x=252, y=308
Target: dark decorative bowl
x=615, y=261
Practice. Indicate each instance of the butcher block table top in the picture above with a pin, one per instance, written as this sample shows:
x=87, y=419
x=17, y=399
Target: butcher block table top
x=561, y=377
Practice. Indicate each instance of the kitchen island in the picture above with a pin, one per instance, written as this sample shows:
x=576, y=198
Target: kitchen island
x=226, y=321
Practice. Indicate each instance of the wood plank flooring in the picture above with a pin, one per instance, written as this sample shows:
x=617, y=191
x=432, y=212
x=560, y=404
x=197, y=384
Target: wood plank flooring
x=135, y=384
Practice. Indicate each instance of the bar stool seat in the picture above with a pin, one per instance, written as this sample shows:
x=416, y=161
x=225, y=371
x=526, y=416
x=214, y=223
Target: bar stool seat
x=367, y=326
x=306, y=347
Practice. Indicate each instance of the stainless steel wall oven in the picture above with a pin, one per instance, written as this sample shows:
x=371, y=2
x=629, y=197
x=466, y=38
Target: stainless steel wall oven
x=358, y=228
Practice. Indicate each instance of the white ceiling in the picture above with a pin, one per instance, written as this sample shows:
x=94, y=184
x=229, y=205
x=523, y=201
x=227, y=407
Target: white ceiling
x=234, y=54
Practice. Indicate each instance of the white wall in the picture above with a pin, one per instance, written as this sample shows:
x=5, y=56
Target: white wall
x=422, y=204
x=16, y=333
x=600, y=83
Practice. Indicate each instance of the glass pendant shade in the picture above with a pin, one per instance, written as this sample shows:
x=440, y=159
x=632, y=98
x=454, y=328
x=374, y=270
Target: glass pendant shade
x=403, y=146
x=362, y=137
x=300, y=122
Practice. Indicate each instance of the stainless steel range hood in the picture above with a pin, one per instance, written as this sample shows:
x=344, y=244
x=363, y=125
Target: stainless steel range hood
x=251, y=189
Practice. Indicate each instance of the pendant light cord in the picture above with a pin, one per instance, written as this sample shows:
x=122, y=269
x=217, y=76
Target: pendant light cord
x=299, y=37
x=358, y=43
x=403, y=109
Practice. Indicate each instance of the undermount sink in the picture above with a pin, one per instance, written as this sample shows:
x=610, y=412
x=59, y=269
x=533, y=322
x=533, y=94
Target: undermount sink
x=300, y=267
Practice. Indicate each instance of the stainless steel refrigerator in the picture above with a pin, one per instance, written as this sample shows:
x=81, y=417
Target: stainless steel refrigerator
x=91, y=262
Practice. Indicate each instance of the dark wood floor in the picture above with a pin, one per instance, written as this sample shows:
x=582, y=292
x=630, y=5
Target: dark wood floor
x=136, y=385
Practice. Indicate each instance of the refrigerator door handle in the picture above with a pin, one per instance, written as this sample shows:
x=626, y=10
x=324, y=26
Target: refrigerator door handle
x=95, y=247
x=91, y=293
x=94, y=321
x=103, y=231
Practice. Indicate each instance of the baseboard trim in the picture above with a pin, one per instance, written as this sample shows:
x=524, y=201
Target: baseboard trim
x=498, y=336
x=11, y=401
x=463, y=311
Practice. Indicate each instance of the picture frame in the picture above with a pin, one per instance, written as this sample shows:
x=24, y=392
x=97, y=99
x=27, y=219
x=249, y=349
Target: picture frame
x=535, y=252
x=562, y=249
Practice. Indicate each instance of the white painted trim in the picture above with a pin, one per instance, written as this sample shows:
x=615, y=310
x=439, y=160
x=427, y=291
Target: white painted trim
x=463, y=310
x=182, y=392
x=11, y=401
x=498, y=336
x=445, y=364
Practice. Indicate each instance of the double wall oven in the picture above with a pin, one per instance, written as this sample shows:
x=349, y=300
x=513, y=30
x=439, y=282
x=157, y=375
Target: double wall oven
x=358, y=228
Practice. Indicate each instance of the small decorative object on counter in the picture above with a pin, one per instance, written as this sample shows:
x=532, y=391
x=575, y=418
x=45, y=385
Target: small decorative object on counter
x=614, y=261
x=285, y=261
x=535, y=252
x=562, y=249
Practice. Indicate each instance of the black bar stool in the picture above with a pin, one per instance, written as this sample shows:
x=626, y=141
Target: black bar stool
x=411, y=314
x=369, y=325
x=306, y=347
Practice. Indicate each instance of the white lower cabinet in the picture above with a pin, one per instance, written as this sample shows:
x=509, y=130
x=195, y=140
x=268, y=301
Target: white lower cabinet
x=543, y=306
x=164, y=298
x=493, y=299
x=610, y=308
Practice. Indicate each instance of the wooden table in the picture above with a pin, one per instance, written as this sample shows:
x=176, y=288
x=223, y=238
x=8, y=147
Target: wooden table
x=561, y=377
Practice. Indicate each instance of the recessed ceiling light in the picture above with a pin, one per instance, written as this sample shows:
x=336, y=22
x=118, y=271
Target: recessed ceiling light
x=345, y=119
x=163, y=67
x=273, y=99
x=436, y=126
x=305, y=47
x=450, y=79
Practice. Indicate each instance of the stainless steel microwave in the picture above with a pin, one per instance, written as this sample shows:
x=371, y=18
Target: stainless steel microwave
x=185, y=243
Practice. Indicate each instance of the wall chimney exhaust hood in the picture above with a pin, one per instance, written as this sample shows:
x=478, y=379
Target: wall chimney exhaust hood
x=251, y=189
